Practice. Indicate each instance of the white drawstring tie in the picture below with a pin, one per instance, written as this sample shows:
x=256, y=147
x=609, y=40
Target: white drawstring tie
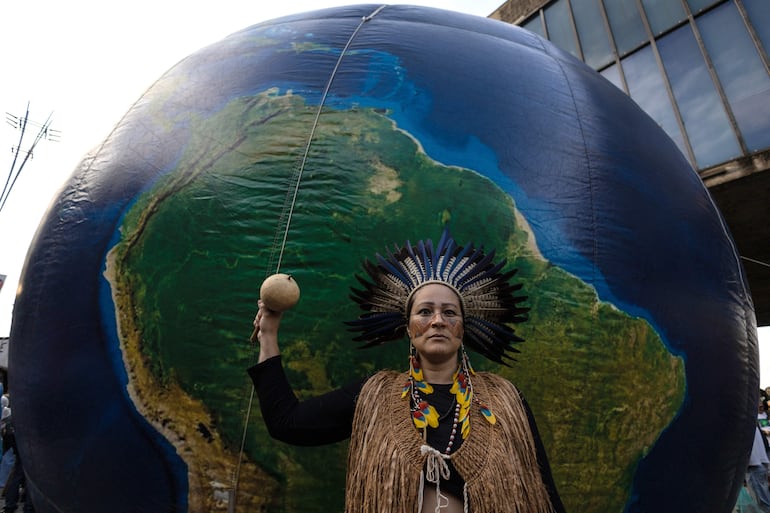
x=436, y=468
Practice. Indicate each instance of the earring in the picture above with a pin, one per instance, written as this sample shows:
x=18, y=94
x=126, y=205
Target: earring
x=467, y=371
x=423, y=414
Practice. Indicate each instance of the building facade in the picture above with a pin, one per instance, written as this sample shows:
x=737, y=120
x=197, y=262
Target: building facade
x=700, y=69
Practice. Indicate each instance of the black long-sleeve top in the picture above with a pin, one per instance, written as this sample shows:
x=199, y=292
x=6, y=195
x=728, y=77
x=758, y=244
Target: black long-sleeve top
x=328, y=418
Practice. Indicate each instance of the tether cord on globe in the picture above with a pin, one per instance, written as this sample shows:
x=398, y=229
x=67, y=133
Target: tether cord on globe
x=282, y=235
x=753, y=261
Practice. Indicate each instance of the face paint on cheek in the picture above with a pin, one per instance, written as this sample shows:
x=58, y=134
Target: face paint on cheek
x=421, y=325
x=456, y=327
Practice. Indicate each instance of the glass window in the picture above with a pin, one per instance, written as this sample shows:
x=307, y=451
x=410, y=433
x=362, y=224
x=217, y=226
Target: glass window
x=711, y=136
x=535, y=25
x=697, y=6
x=626, y=24
x=559, y=27
x=663, y=14
x=612, y=74
x=741, y=72
x=759, y=15
x=592, y=34
x=647, y=88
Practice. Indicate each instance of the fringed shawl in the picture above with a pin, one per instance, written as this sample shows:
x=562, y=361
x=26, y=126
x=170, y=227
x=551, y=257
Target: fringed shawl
x=498, y=462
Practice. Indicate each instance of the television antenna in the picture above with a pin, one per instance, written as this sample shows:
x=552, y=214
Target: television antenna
x=23, y=123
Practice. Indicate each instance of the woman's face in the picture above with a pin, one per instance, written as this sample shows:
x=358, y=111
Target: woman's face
x=436, y=322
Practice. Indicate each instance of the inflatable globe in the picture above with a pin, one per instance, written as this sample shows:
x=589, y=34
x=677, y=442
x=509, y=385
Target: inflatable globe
x=307, y=144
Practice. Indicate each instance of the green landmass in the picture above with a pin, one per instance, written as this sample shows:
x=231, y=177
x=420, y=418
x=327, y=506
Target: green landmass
x=197, y=245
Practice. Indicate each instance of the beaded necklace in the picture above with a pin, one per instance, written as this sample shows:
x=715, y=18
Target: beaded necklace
x=424, y=414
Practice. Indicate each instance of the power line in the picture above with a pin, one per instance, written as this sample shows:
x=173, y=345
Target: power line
x=21, y=123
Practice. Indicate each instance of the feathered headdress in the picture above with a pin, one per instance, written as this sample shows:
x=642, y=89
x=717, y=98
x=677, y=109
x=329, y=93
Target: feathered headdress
x=488, y=299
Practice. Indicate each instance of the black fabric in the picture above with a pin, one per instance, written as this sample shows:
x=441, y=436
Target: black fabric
x=318, y=420
x=8, y=434
x=328, y=418
x=438, y=438
x=542, y=460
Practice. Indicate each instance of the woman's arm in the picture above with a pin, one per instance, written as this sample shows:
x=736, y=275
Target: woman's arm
x=318, y=420
x=542, y=460
x=266, y=325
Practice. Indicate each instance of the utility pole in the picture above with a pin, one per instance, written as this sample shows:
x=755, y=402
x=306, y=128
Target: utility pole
x=22, y=123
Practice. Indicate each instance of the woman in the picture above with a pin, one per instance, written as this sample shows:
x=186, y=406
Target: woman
x=440, y=437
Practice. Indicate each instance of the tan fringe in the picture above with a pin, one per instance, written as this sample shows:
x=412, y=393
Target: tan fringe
x=498, y=463
x=384, y=462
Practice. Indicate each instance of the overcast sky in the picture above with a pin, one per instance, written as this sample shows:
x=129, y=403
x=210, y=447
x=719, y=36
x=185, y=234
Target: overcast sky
x=85, y=62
